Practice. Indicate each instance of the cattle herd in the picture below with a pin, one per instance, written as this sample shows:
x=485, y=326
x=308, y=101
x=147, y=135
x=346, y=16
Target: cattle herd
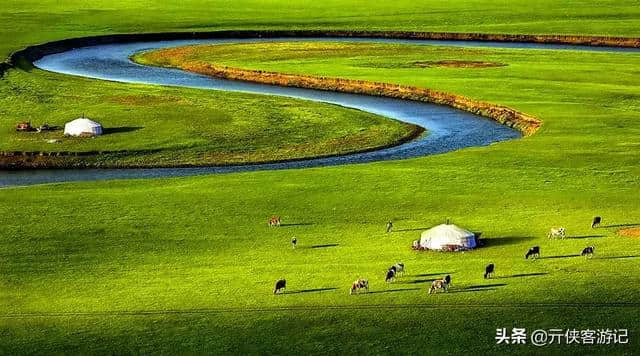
x=439, y=284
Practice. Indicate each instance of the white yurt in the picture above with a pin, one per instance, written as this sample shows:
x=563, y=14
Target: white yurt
x=447, y=237
x=82, y=127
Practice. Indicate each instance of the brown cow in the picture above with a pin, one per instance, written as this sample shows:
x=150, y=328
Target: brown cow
x=358, y=285
x=274, y=221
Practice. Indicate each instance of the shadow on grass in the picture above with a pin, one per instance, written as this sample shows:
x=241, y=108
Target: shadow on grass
x=620, y=225
x=499, y=241
x=524, y=275
x=478, y=288
x=325, y=246
x=432, y=274
x=561, y=256
x=584, y=237
x=309, y=290
x=296, y=224
x=465, y=290
x=393, y=290
x=418, y=281
x=617, y=257
x=416, y=229
x=482, y=286
x=121, y=129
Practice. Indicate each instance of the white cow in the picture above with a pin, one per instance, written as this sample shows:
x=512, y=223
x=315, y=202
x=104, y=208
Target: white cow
x=557, y=233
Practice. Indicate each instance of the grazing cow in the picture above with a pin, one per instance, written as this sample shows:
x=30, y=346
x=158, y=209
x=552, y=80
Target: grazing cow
x=389, y=226
x=439, y=284
x=274, y=221
x=447, y=279
x=596, y=222
x=358, y=285
x=281, y=284
x=533, y=252
x=391, y=275
x=399, y=268
x=555, y=233
x=294, y=242
x=489, y=271
x=588, y=251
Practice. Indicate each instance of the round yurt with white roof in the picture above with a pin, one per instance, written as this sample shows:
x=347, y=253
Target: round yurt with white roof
x=447, y=237
x=82, y=127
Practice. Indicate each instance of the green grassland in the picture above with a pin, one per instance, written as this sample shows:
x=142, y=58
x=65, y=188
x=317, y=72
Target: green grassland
x=188, y=264
x=588, y=101
x=163, y=126
x=22, y=22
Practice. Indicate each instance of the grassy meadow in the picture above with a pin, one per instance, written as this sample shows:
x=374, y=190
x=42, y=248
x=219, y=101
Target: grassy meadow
x=22, y=22
x=165, y=126
x=187, y=265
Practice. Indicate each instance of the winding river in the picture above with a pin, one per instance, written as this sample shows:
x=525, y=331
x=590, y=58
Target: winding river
x=448, y=129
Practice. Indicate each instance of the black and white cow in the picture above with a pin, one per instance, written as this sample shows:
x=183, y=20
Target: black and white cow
x=533, y=252
x=391, y=275
x=596, y=222
x=439, y=284
x=588, y=251
x=399, y=267
x=281, y=285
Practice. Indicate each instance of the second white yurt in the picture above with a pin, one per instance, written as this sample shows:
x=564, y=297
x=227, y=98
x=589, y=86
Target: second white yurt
x=447, y=238
x=82, y=127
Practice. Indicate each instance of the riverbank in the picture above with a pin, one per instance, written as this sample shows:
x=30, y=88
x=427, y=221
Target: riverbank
x=157, y=126
x=178, y=58
x=157, y=158
x=24, y=58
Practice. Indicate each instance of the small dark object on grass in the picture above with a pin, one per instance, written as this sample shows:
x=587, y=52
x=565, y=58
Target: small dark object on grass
x=447, y=279
x=596, y=222
x=389, y=226
x=391, y=275
x=588, y=251
x=294, y=242
x=489, y=271
x=281, y=284
x=533, y=252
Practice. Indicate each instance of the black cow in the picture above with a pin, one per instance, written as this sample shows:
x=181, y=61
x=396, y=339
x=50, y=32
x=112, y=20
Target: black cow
x=447, y=279
x=391, y=274
x=280, y=285
x=596, y=222
x=588, y=251
x=489, y=271
x=533, y=252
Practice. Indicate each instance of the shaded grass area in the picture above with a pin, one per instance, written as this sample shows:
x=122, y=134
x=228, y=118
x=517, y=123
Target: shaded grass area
x=169, y=126
x=415, y=330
